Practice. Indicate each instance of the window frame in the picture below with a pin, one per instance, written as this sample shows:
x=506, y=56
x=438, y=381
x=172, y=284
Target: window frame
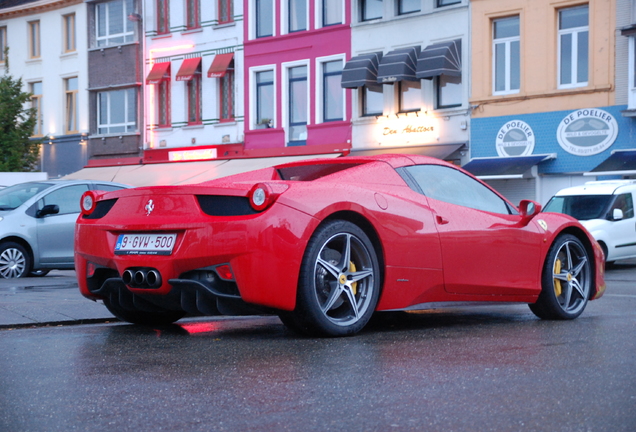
x=71, y=110
x=444, y=3
x=321, y=88
x=162, y=102
x=402, y=11
x=194, y=91
x=364, y=9
x=324, y=7
x=127, y=112
x=287, y=100
x=507, y=43
x=364, y=99
x=127, y=36
x=228, y=6
x=69, y=33
x=162, y=8
x=401, y=108
x=192, y=14
x=3, y=43
x=36, y=103
x=574, y=32
x=438, y=92
x=34, y=39
x=288, y=14
x=226, y=95
x=258, y=21
x=255, y=120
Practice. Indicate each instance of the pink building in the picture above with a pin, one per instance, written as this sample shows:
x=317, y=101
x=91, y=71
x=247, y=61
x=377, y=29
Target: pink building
x=295, y=51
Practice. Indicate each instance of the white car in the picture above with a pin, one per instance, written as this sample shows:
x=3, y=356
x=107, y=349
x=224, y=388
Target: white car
x=606, y=209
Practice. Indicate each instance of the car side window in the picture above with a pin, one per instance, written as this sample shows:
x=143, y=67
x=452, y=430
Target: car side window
x=453, y=186
x=625, y=203
x=67, y=198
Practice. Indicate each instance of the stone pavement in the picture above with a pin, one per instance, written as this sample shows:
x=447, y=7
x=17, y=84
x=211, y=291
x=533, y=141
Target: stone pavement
x=50, y=300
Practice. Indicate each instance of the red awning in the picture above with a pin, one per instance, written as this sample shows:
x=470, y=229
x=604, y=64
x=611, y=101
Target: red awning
x=219, y=65
x=159, y=72
x=188, y=69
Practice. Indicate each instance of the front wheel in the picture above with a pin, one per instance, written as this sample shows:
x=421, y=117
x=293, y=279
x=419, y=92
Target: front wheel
x=566, y=280
x=339, y=282
x=15, y=261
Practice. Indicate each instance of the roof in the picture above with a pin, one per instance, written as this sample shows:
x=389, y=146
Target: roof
x=609, y=187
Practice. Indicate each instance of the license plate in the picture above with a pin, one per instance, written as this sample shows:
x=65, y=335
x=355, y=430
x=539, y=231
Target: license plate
x=145, y=244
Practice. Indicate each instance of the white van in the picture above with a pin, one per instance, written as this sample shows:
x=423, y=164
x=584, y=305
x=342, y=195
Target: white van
x=606, y=209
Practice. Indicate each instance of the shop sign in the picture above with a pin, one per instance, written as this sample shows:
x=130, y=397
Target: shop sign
x=191, y=155
x=587, y=132
x=515, y=138
x=406, y=130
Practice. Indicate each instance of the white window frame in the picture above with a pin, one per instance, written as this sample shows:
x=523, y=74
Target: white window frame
x=507, y=41
x=631, y=74
x=285, y=67
x=318, y=6
x=252, y=19
x=573, y=31
x=125, y=124
x=319, y=86
x=252, y=96
x=285, y=17
x=128, y=36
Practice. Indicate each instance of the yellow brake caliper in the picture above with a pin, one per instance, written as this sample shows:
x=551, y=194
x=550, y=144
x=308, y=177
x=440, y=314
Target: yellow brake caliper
x=354, y=285
x=557, y=282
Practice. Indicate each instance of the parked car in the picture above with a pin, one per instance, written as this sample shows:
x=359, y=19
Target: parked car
x=606, y=209
x=326, y=243
x=37, y=222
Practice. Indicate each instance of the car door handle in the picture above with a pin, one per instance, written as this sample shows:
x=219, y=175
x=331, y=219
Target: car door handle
x=440, y=220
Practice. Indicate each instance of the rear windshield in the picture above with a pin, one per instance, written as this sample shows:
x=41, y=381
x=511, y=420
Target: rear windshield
x=13, y=197
x=312, y=172
x=581, y=207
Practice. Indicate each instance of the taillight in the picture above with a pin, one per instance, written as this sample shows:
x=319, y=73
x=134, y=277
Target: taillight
x=88, y=202
x=261, y=197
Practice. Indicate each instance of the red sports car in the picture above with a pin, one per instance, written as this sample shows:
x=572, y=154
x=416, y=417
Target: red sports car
x=326, y=243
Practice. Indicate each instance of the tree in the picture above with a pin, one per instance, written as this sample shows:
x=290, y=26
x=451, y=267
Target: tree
x=18, y=152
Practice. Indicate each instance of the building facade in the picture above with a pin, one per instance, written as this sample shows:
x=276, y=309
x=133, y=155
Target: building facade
x=548, y=107
x=47, y=51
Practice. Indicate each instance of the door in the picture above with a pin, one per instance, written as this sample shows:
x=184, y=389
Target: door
x=55, y=232
x=484, y=249
x=621, y=234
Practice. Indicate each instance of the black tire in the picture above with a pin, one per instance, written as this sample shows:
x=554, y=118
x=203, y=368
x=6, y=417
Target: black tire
x=566, y=280
x=142, y=317
x=339, y=282
x=15, y=261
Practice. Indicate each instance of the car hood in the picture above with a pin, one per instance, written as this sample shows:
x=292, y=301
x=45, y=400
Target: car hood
x=593, y=224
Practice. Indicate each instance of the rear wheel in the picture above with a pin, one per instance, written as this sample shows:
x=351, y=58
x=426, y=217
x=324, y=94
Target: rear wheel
x=339, y=283
x=142, y=317
x=566, y=280
x=15, y=261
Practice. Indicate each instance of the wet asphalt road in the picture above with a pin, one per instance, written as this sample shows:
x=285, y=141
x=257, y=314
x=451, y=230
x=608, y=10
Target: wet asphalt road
x=479, y=369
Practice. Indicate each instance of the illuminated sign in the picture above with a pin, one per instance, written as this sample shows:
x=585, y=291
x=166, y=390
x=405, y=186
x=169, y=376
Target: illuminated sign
x=587, y=132
x=191, y=155
x=407, y=129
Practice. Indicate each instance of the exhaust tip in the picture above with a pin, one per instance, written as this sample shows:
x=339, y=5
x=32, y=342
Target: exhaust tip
x=153, y=278
x=140, y=277
x=127, y=277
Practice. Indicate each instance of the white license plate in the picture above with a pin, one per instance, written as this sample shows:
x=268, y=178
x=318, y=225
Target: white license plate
x=145, y=244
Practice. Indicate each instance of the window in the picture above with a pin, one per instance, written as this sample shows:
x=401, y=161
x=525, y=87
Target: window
x=3, y=43
x=112, y=24
x=506, y=55
x=36, y=104
x=332, y=11
x=69, y=32
x=371, y=9
x=265, y=98
x=297, y=105
x=410, y=96
x=162, y=91
x=226, y=11
x=264, y=18
x=163, y=16
x=573, y=46
x=34, y=39
x=625, y=204
x=372, y=100
x=297, y=13
x=408, y=6
x=226, y=87
x=71, y=111
x=452, y=186
x=449, y=91
x=117, y=111
x=332, y=93
x=67, y=199
x=194, y=97
x=193, y=14
x=442, y=3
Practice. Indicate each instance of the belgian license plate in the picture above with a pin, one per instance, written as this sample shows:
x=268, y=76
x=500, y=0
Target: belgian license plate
x=145, y=244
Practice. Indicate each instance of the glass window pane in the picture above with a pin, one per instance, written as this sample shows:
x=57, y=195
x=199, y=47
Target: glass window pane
x=566, y=58
x=372, y=9
x=573, y=17
x=297, y=15
x=410, y=96
x=373, y=100
x=506, y=27
x=264, y=17
x=131, y=106
x=582, y=57
x=115, y=17
x=408, y=6
x=333, y=98
x=450, y=91
x=500, y=67
x=332, y=12
x=515, y=66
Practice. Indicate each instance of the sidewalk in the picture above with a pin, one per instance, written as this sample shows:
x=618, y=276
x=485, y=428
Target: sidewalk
x=49, y=300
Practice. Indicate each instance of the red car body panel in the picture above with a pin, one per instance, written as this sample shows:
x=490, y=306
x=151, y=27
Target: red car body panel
x=430, y=251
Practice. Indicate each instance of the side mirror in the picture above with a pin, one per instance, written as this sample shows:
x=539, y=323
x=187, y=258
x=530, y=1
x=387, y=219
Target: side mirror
x=617, y=214
x=529, y=209
x=48, y=209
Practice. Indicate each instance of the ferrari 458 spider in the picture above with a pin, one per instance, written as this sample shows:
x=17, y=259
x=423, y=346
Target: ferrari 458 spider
x=325, y=243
